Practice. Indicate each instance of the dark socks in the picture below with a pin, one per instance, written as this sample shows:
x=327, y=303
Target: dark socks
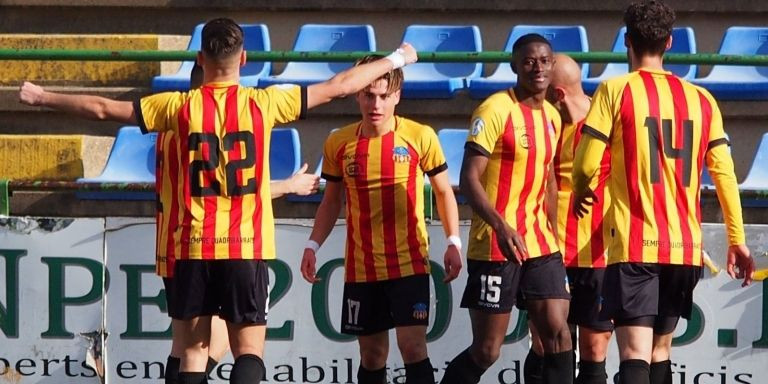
x=419, y=373
x=378, y=376
x=558, y=368
x=193, y=378
x=661, y=372
x=533, y=367
x=634, y=371
x=591, y=372
x=462, y=370
x=248, y=369
x=172, y=370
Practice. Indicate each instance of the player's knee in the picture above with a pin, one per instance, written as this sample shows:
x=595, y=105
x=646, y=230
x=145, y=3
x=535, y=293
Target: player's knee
x=374, y=356
x=413, y=350
x=248, y=369
x=485, y=354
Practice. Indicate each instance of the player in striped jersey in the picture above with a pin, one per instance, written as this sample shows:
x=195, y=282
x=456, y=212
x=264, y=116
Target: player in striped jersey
x=660, y=130
x=221, y=206
x=379, y=164
x=513, y=255
x=582, y=242
x=301, y=183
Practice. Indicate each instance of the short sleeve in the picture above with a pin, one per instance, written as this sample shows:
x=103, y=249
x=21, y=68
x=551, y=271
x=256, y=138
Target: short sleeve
x=281, y=103
x=157, y=113
x=432, y=160
x=331, y=167
x=486, y=127
x=599, y=120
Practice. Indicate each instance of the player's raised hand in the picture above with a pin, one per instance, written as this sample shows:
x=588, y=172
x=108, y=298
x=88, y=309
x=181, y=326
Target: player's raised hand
x=511, y=244
x=740, y=263
x=409, y=52
x=31, y=94
x=452, y=263
x=303, y=183
x=308, y=263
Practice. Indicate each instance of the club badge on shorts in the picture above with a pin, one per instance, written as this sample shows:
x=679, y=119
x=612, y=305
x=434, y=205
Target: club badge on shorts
x=420, y=311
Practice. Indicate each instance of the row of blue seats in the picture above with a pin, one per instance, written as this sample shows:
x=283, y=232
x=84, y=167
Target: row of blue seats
x=285, y=159
x=443, y=80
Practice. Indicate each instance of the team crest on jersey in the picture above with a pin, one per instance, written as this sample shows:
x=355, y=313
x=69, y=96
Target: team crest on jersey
x=478, y=124
x=420, y=311
x=401, y=155
x=525, y=141
x=353, y=169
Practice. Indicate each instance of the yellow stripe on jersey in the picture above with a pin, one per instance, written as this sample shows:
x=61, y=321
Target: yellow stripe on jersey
x=384, y=182
x=520, y=143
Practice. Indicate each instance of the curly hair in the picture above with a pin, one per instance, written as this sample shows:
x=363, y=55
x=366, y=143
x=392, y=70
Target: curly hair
x=649, y=25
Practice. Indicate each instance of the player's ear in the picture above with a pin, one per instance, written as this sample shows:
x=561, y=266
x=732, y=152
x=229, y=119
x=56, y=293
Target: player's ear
x=243, y=57
x=669, y=43
x=559, y=93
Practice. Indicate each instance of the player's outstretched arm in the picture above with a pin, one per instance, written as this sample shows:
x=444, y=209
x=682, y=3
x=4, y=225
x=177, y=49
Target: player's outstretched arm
x=510, y=242
x=300, y=183
x=358, y=77
x=85, y=106
x=449, y=216
x=325, y=219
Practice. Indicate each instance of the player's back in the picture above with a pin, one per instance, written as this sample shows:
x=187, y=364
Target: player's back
x=660, y=129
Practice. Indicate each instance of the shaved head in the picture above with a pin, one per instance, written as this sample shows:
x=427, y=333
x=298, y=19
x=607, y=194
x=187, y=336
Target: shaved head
x=567, y=73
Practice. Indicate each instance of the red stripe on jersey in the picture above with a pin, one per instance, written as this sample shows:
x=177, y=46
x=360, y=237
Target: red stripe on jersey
x=543, y=244
x=706, y=124
x=571, y=251
x=349, y=261
x=208, y=246
x=681, y=198
x=558, y=164
x=231, y=124
x=659, y=194
x=629, y=141
x=364, y=200
x=506, y=166
x=257, y=120
x=186, y=223
x=160, y=153
x=171, y=156
x=597, y=240
x=530, y=133
x=414, y=245
x=388, y=205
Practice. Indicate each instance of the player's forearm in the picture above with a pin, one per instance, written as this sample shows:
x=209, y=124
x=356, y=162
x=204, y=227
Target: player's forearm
x=279, y=188
x=721, y=170
x=448, y=211
x=473, y=190
x=325, y=218
x=90, y=107
x=586, y=162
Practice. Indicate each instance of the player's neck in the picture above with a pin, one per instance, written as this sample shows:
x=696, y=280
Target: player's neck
x=576, y=108
x=370, y=130
x=651, y=62
x=532, y=100
x=221, y=75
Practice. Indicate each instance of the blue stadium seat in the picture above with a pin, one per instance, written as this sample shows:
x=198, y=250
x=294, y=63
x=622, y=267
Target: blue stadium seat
x=736, y=82
x=440, y=80
x=757, y=177
x=323, y=38
x=706, y=179
x=132, y=160
x=284, y=153
x=683, y=41
x=256, y=38
x=563, y=39
x=452, y=141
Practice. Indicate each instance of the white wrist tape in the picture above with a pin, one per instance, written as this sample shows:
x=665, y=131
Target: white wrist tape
x=313, y=245
x=455, y=241
x=397, y=59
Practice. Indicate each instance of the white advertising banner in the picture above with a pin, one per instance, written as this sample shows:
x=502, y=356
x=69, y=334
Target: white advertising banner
x=51, y=311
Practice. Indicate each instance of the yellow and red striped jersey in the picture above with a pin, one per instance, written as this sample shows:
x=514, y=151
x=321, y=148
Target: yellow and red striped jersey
x=166, y=164
x=659, y=129
x=218, y=205
x=384, y=182
x=582, y=241
x=520, y=142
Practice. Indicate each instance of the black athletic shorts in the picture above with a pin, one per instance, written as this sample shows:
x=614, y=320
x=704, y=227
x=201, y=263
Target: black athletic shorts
x=495, y=287
x=586, y=298
x=374, y=307
x=236, y=290
x=634, y=292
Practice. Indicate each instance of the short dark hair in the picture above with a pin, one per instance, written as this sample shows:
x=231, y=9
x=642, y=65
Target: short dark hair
x=529, y=38
x=222, y=38
x=394, y=77
x=649, y=25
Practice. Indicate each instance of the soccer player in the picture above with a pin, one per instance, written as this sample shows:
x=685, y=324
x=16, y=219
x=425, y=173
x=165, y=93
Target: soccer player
x=226, y=228
x=167, y=149
x=582, y=242
x=378, y=164
x=660, y=130
x=513, y=255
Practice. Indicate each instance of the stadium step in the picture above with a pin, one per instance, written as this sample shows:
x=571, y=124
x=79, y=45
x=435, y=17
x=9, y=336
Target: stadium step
x=52, y=157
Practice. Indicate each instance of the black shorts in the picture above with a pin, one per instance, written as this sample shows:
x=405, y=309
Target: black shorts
x=369, y=308
x=586, y=298
x=495, y=287
x=640, y=290
x=236, y=290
